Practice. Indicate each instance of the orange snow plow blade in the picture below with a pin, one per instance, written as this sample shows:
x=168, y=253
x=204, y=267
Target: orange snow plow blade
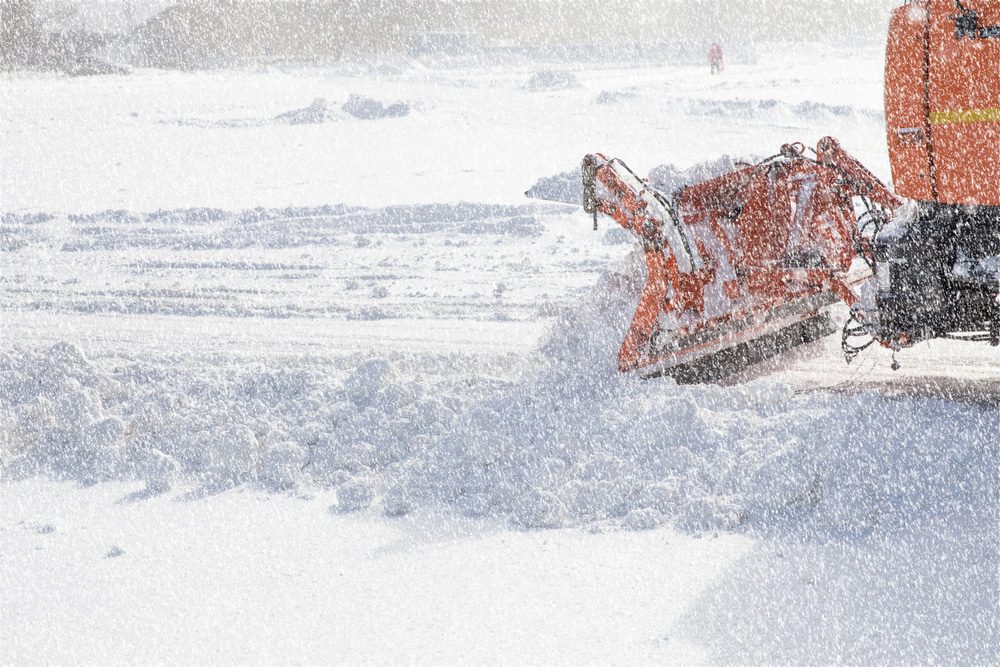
x=745, y=261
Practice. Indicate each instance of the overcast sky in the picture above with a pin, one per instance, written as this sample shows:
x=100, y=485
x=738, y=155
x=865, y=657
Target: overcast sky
x=119, y=15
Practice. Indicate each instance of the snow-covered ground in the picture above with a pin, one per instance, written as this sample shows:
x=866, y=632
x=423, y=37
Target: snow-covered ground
x=292, y=371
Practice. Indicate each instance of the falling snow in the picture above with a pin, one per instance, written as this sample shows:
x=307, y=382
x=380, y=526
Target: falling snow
x=291, y=369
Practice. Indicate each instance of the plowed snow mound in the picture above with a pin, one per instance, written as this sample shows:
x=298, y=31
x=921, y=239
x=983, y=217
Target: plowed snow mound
x=669, y=178
x=366, y=108
x=574, y=444
x=564, y=187
x=548, y=80
x=567, y=187
x=319, y=111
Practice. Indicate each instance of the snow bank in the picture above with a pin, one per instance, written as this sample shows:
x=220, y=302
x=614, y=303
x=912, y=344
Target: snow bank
x=575, y=444
x=564, y=187
x=317, y=112
x=367, y=108
x=616, y=96
x=548, y=80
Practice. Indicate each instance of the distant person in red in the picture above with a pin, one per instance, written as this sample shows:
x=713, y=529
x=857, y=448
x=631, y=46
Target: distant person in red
x=715, y=58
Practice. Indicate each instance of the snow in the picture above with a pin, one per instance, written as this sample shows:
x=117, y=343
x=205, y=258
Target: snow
x=571, y=443
x=984, y=267
x=567, y=186
x=369, y=109
x=208, y=578
x=317, y=112
x=551, y=80
x=279, y=383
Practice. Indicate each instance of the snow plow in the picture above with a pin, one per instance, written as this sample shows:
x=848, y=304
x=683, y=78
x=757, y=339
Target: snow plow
x=745, y=264
x=752, y=255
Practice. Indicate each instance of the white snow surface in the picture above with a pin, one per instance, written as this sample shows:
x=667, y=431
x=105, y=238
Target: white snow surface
x=282, y=384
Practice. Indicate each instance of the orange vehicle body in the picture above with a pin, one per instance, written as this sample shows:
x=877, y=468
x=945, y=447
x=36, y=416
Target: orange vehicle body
x=740, y=257
x=942, y=101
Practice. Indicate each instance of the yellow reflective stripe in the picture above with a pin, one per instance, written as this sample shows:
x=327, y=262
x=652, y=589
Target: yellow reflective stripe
x=965, y=116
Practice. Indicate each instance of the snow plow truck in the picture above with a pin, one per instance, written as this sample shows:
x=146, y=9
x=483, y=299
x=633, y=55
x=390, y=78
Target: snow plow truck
x=745, y=264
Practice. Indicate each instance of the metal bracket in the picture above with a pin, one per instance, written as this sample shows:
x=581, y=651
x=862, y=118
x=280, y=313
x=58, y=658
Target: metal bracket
x=967, y=25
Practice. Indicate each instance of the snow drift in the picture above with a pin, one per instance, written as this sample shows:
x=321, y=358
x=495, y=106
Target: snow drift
x=551, y=80
x=574, y=444
x=317, y=112
x=367, y=108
